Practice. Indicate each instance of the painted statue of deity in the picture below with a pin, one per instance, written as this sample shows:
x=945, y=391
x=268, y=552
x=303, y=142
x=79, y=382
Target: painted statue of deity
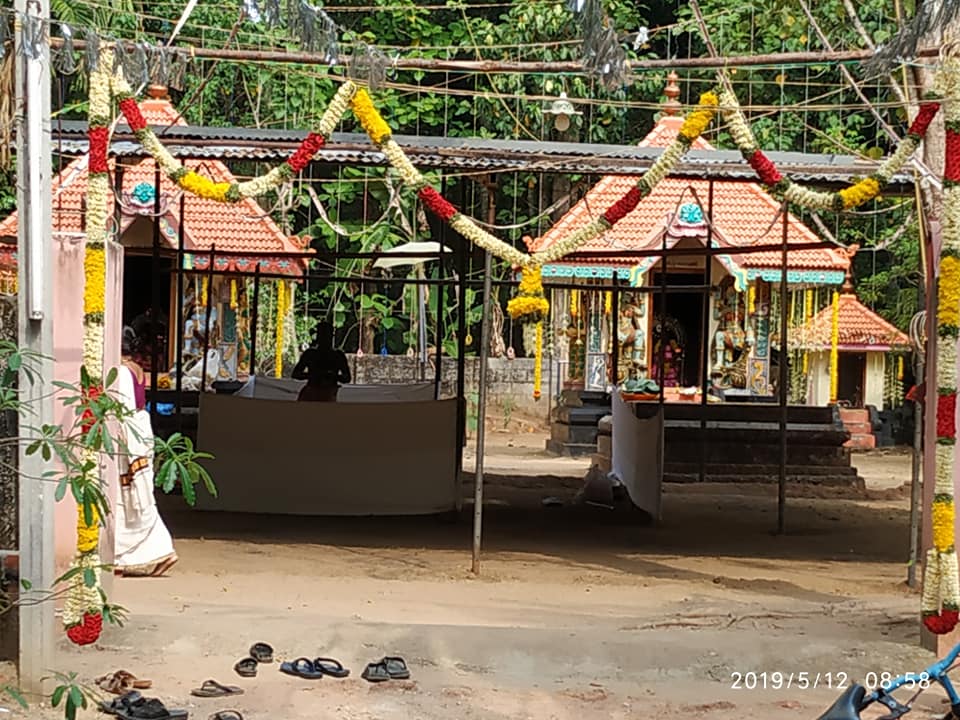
x=730, y=342
x=631, y=339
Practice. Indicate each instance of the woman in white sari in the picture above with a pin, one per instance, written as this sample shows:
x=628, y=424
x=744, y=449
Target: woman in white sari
x=143, y=543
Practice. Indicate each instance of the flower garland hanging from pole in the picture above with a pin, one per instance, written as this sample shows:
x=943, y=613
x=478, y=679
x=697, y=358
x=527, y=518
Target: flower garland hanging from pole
x=941, y=584
x=834, y=347
x=530, y=305
x=281, y=319
x=83, y=608
x=846, y=199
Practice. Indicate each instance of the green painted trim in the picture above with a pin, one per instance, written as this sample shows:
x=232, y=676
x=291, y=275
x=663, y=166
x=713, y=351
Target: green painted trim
x=798, y=277
x=585, y=272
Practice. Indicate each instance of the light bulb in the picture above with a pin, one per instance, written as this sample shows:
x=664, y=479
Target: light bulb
x=561, y=122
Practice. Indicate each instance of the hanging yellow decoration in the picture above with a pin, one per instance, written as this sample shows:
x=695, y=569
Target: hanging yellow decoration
x=900, y=368
x=834, y=343
x=88, y=536
x=538, y=362
x=809, y=303
x=204, y=289
x=806, y=362
x=233, y=294
x=752, y=299
x=574, y=303
x=281, y=316
x=608, y=303
x=530, y=304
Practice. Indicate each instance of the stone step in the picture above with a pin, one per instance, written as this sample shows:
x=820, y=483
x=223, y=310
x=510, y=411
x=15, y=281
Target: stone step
x=570, y=449
x=686, y=468
x=861, y=442
x=581, y=434
x=585, y=415
x=858, y=428
x=858, y=415
x=759, y=454
x=826, y=480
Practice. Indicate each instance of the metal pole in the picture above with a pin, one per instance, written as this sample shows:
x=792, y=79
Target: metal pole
x=441, y=328
x=206, y=320
x=481, y=414
x=662, y=315
x=155, y=298
x=181, y=241
x=915, y=477
x=615, y=330
x=254, y=317
x=35, y=326
x=782, y=486
x=705, y=342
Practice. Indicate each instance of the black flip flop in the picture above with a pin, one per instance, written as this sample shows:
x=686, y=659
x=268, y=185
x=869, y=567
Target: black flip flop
x=227, y=715
x=124, y=703
x=376, y=673
x=301, y=668
x=213, y=689
x=331, y=667
x=396, y=668
x=261, y=652
x=247, y=667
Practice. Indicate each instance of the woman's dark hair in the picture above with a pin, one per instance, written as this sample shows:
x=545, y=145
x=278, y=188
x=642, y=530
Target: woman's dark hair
x=127, y=341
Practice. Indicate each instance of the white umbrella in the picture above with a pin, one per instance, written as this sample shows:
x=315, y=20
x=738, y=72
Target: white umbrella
x=432, y=249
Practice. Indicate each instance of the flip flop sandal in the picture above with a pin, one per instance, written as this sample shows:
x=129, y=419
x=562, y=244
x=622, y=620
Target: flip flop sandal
x=152, y=709
x=396, y=668
x=301, y=668
x=122, y=682
x=247, y=667
x=331, y=667
x=261, y=652
x=376, y=672
x=227, y=715
x=213, y=689
x=124, y=703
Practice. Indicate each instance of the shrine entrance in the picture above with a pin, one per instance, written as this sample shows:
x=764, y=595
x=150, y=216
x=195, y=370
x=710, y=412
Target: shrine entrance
x=680, y=327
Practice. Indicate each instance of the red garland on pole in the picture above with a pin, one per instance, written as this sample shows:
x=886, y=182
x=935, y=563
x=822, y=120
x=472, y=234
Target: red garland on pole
x=951, y=168
x=942, y=623
x=131, y=111
x=98, y=150
x=923, y=119
x=87, y=632
x=437, y=204
x=624, y=206
x=946, y=416
x=764, y=167
x=87, y=418
x=304, y=154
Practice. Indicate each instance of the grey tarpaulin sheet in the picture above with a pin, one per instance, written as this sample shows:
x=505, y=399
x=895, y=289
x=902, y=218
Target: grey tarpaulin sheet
x=317, y=458
x=638, y=451
x=285, y=389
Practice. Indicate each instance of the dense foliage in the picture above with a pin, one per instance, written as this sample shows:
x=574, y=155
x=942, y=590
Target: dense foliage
x=365, y=209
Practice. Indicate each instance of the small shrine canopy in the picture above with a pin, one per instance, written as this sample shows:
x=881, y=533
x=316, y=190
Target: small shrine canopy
x=243, y=229
x=744, y=215
x=860, y=329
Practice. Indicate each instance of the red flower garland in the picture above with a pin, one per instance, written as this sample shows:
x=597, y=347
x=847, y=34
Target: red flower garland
x=622, y=207
x=923, y=119
x=943, y=622
x=131, y=111
x=946, y=416
x=764, y=167
x=304, y=154
x=437, y=204
x=951, y=168
x=87, y=632
x=98, y=149
x=87, y=418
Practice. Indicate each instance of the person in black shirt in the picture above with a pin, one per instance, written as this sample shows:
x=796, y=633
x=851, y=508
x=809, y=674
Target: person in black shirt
x=323, y=367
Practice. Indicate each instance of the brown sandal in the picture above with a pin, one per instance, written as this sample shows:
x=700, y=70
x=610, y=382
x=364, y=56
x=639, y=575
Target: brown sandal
x=164, y=566
x=122, y=682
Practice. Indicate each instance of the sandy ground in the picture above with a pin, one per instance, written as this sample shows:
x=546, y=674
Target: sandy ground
x=578, y=612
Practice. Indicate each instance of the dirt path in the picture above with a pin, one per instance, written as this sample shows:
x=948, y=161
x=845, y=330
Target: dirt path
x=578, y=614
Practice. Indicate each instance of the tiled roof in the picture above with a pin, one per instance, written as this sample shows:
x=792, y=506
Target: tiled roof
x=241, y=227
x=744, y=214
x=859, y=329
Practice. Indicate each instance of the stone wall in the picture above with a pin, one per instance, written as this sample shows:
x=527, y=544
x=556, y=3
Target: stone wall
x=509, y=388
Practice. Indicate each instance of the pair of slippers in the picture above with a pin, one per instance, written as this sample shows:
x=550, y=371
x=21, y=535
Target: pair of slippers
x=315, y=669
x=227, y=715
x=213, y=689
x=389, y=668
x=121, y=682
x=133, y=706
x=260, y=653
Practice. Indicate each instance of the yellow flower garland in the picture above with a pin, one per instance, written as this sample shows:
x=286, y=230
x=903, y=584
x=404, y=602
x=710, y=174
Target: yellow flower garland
x=88, y=536
x=204, y=187
x=574, y=303
x=864, y=191
x=95, y=274
x=948, y=309
x=698, y=120
x=538, y=362
x=233, y=294
x=608, y=303
x=943, y=517
x=281, y=317
x=834, y=342
x=371, y=120
x=752, y=299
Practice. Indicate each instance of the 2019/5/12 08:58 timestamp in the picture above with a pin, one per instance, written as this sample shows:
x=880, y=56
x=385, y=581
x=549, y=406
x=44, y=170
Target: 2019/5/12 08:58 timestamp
x=777, y=680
